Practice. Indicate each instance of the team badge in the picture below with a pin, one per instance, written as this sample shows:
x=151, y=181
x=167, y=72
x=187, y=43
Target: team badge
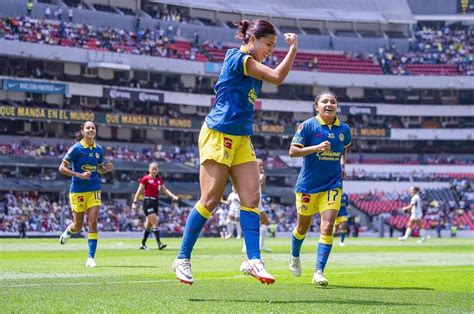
x=227, y=142
x=341, y=137
x=305, y=198
x=97, y=155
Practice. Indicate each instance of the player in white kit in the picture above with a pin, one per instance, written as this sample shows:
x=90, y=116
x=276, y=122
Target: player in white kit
x=221, y=213
x=416, y=217
x=233, y=217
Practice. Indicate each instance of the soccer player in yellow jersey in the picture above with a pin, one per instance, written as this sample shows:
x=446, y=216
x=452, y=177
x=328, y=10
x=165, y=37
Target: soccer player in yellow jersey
x=84, y=161
x=322, y=141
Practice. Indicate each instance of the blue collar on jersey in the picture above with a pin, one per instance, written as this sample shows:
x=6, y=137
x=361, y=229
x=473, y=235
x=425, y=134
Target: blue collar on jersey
x=321, y=121
x=84, y=144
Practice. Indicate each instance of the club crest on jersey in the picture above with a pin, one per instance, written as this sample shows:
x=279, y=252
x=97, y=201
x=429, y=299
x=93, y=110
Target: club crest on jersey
x=341, y=137
x=331, y=135
x=227, y=142
x=97, y=155
x=305, y=198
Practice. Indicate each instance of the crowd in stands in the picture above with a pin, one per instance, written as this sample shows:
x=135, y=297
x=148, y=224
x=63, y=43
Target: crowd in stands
x=169, y=154
x=442, y=207
x=188, y=155
x=429, y=46
x=42, y=213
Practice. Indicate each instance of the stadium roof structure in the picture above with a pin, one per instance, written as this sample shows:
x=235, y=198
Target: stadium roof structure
x=372, y=11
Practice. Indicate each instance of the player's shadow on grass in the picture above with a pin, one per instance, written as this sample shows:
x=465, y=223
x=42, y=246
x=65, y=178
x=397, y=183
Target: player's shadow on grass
x=380, y=288
x=331, y=301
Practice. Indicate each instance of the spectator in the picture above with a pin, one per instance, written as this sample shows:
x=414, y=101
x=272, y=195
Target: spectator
x=29, y=7
x=47, y=12
x=70, y=14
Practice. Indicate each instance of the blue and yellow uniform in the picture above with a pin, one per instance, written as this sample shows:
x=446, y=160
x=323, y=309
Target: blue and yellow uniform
x=85, y=194
x=225, y=139
x=319, y=184
x=342, y=214
x=225, y=135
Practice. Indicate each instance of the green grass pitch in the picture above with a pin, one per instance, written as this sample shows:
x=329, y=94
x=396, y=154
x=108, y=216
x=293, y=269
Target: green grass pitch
x=368, y=275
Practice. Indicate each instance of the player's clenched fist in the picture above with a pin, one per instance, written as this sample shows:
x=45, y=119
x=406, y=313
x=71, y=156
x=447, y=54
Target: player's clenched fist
x=323, y=147
x=291, y=39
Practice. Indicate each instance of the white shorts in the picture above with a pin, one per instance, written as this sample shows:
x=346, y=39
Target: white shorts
x=234, y=212
x=416, y=216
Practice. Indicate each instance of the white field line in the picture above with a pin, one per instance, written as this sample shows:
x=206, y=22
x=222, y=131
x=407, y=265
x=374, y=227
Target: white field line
x=210, y=279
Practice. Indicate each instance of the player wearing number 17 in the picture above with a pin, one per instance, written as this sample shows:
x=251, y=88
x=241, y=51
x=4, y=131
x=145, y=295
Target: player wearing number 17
x=322, y=141
x=84, y=161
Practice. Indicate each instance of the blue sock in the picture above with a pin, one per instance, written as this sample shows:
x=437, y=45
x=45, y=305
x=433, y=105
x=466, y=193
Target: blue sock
x=324, y=249
x=196, y=220
x=92, y=243
x=343, y=235
x=296, y=242
x=250, y=223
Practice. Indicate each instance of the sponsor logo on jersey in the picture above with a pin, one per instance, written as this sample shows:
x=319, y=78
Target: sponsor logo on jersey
x=89, y=168
x=80, y=198
x=305, y=198
x=227, y=142
x=151, y=181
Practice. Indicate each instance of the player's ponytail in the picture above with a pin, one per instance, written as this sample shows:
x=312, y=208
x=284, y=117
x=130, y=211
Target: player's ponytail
x=78, y=136
x=258, y=28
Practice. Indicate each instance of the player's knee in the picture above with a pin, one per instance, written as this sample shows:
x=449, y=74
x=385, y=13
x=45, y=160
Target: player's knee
x=302, y=230
x=252, y=200
x=327, y=227
x=210, y=203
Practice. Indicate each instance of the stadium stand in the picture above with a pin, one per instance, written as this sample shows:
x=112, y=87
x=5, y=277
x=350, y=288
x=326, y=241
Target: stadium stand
x=450, y=50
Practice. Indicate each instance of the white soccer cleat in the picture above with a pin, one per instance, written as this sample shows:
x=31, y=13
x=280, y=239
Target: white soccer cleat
x=90, y=262
x=265, y=249
x=256, y=269
x=182, y=268
x=341, y=244
x=319, y=279
x=295, y=265
x=422, y=240
x=64, y=237
x=402, y=238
